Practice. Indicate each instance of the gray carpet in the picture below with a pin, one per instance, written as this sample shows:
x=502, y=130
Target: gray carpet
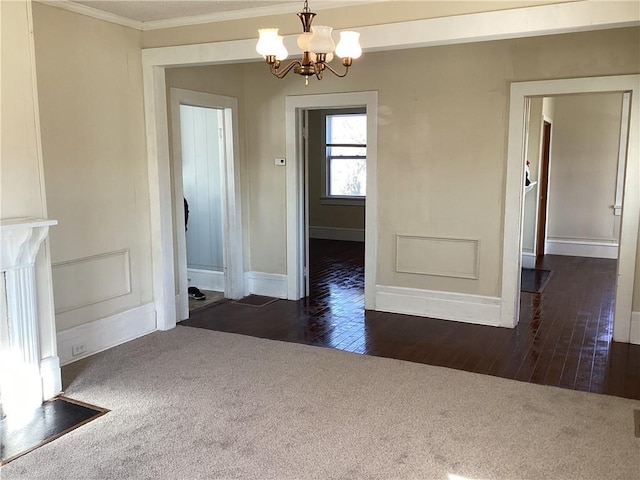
x=195, y=404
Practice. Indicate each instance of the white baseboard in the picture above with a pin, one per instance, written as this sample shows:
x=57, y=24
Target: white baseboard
x=105, y=333
x=528, y=260
x=581, y=248
x=635, y=328
x=206, y=279
x=51, y=377
x=331, y=233
x=268, y=284
x=443, y=305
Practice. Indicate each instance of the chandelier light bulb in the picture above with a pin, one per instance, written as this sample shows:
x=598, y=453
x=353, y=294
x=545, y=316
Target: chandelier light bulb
x=349, y=45
x=321, y=41
x=303, y=41
x=268, y=42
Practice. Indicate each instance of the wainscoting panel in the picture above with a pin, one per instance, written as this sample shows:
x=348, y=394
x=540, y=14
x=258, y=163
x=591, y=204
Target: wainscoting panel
x=444, y=257
x=90, y=280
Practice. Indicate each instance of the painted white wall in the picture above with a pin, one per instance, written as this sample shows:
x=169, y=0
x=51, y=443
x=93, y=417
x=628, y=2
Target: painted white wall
x=583, y=170
x=91, y=105
x=201, y=130
x=22, y=182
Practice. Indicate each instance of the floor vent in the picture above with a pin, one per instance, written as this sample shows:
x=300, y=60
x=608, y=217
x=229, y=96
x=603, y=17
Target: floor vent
x=636, y=421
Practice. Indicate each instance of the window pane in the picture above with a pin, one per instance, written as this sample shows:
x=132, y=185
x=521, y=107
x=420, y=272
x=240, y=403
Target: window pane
x=346, y=151
x=348, y=177
x=347, y=128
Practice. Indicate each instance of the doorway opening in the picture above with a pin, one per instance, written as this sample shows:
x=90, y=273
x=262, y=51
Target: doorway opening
x=298, y=227
x=564, y=224
x=335, y=164
x=208, y=226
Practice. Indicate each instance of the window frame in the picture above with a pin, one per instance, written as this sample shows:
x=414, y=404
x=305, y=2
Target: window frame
x=327, y=198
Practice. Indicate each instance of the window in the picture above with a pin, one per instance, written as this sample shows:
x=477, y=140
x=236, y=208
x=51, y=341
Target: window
x=346, y=154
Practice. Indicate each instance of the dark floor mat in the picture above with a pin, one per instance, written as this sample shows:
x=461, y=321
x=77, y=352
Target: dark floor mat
x=534, y=280
x=256, y=300
x=49, y=421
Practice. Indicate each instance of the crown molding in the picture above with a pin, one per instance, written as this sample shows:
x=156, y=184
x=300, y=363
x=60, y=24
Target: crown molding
x=249, y=13
x=198, y=19
x=93, y=12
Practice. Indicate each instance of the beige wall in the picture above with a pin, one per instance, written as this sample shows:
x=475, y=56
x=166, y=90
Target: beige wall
x=583, y=168
x=22, y=190
x=330, y=216
x=441, y=142
x=93, y=138
x=442, y=133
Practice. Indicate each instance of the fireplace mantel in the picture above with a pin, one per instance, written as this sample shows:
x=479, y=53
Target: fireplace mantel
x=21, y=379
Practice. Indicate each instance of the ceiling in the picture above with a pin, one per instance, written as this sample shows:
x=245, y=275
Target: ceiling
x=146, y=13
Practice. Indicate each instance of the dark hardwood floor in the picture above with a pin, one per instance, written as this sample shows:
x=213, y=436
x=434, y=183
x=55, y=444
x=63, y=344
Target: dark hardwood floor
x=563, y=338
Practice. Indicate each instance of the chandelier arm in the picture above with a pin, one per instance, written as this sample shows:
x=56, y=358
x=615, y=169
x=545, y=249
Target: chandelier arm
x=330, y=68
x=287, y=69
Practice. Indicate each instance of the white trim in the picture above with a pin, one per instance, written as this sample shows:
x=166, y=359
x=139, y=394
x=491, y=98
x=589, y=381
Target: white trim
x=517, y=23
x=93, y=13
x=459, y=307
x=528, y=260
x=106, y=333
x=206, y=279
x=215, y=17
x=51, y=377
x=581, y=248
x=248, y=13
x=296, y=247
x=268, y=284
x=622, y=151
x=512, y=246
x=335, y=233
x=233, y=255
x=343, y=201
x=635, y=328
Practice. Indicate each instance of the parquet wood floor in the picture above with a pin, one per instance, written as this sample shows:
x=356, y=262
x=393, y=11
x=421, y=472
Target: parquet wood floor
x=563, y=338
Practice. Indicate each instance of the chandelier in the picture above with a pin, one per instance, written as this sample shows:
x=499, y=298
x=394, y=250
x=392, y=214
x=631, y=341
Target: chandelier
x=317, y=48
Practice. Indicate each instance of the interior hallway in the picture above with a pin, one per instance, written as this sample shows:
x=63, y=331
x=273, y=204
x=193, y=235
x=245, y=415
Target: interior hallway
x=563, y=338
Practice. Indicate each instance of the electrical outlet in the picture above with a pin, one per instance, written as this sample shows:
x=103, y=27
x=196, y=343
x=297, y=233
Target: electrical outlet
x=77, y=349
x=280, y=161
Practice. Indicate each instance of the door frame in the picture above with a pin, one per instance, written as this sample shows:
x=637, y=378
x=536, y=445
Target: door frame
x=521, y=93
x=543, y=173
x=231, y=207
x=295, y=106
